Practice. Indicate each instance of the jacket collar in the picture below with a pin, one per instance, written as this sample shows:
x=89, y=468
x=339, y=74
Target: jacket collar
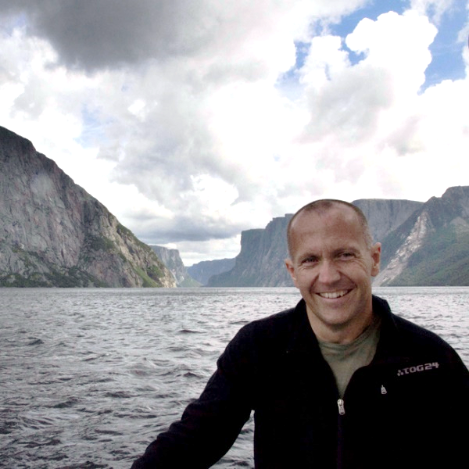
x=390, y=346
x=303, y=340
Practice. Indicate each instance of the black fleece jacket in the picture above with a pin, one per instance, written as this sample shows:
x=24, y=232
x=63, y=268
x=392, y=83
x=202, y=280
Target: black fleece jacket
x=407, y=409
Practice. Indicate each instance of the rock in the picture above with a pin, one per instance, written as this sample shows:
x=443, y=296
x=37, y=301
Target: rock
x=202, y=271
x=172, y=260
x=385, y=215
x=432, y=247
x=261, y=262
x=53, y=233
x=423, y=244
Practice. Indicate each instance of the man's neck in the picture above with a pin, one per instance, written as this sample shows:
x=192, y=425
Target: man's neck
x=341, y=333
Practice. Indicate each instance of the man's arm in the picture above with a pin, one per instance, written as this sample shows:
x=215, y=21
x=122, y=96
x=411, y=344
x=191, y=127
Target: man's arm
x=210, y=425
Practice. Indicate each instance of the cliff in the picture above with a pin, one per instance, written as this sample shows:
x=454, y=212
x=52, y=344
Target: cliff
x=202, y=271
x=385, y=215
x=53, y=233
x=172, y=260
x=432, y=247
x=261, y=262
x=263, y=251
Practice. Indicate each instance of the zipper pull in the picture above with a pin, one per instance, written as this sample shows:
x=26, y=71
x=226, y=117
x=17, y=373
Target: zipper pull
x=340, y=404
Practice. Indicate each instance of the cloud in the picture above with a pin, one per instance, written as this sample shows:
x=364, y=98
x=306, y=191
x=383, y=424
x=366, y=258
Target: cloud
x=112, y=33
x=435, y=9
x=354, y=108
x=199, y=120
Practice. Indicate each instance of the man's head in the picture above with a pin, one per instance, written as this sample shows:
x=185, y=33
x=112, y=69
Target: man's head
x=321, y=206
x=332, y=260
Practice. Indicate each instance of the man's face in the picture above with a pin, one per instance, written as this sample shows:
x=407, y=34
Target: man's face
x=332, y=266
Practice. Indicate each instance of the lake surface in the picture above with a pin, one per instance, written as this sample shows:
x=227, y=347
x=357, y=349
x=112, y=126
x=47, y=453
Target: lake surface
x=88, y=377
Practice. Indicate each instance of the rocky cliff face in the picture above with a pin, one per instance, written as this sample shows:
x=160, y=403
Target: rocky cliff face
x=385, y=215
x=202, y=271
x=53, y=233
x=261, y=260
x=405, y=228
x=432, y=246
x=172, y=260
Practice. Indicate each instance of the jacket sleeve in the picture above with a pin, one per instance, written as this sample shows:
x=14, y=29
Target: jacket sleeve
x=209, y=425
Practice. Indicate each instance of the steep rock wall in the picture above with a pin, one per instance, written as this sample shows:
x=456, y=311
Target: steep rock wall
x=263, y=251
x=385, y=215
x=261, y=262
x=432, y=246
x=172, y=260
x=202, y=271
x=53, y=233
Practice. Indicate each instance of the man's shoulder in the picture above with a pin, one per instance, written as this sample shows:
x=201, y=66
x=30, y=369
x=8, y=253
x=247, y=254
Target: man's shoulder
x=411, y=336
x=280, y=320
x=275, y=329
x=421, y=337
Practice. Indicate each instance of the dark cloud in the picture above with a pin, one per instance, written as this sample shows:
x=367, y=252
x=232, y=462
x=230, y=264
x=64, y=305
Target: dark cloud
x=185, y=228
x=92, y=35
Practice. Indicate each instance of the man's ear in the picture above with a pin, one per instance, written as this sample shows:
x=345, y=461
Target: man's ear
x=376, y=257
x=291, y=270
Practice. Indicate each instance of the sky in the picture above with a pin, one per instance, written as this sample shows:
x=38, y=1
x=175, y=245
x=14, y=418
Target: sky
x=193, y=120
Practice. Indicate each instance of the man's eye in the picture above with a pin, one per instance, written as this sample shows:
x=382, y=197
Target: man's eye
x=346, y=255
x=309, y=260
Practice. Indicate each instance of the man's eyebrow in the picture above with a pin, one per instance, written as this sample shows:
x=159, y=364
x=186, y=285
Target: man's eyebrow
x=352, y=249
x=307, y=254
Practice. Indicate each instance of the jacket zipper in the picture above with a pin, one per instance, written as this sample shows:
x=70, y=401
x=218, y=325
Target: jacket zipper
x=340, y=405
x=340, y=433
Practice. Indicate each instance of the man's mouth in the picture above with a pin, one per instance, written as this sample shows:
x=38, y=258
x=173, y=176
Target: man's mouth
x=333, y=294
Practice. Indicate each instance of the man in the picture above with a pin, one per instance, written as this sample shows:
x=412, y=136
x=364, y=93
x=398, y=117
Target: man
x=338, y=381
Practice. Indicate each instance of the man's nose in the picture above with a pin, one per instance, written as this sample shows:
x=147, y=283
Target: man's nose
x=328, y=272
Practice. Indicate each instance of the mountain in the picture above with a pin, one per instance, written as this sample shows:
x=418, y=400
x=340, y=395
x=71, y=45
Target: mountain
x=261, y=260
x=385, y=215
x=172, y=260
x=423, y=244
x=202, y=271
x=263, y=251
x=432, y=247
x=54, y=234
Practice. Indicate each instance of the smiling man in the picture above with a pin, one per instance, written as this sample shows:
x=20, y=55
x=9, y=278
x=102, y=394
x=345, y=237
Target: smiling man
x=332, y=260
x=339, y=381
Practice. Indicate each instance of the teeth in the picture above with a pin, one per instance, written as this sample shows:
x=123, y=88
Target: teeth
x=332, y=295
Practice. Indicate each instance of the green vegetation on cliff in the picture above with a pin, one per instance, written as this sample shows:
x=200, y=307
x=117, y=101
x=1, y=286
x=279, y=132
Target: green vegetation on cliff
x=54, y=234
x=441, y=261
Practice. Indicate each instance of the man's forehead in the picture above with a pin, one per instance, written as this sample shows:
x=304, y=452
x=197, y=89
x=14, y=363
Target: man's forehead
x=318, y=217
x=333, y=229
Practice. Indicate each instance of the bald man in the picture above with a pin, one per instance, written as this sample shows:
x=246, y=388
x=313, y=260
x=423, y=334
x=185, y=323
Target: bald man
x=336, y=382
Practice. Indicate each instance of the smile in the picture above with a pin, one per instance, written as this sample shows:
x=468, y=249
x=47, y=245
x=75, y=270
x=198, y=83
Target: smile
x=333, y=295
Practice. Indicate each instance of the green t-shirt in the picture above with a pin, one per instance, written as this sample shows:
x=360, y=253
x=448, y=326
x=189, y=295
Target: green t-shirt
x=345, y=359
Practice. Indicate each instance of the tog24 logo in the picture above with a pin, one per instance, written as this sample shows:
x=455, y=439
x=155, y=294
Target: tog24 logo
x=418, y=368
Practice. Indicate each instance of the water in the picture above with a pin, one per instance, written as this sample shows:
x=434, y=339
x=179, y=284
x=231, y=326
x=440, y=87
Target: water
x=89, y=377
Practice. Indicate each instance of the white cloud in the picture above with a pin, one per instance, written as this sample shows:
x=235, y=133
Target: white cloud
x=433, y=8
x=190, y=131
x=370, y=126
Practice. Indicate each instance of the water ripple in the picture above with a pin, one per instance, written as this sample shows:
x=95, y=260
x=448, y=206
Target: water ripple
x=89, y=377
